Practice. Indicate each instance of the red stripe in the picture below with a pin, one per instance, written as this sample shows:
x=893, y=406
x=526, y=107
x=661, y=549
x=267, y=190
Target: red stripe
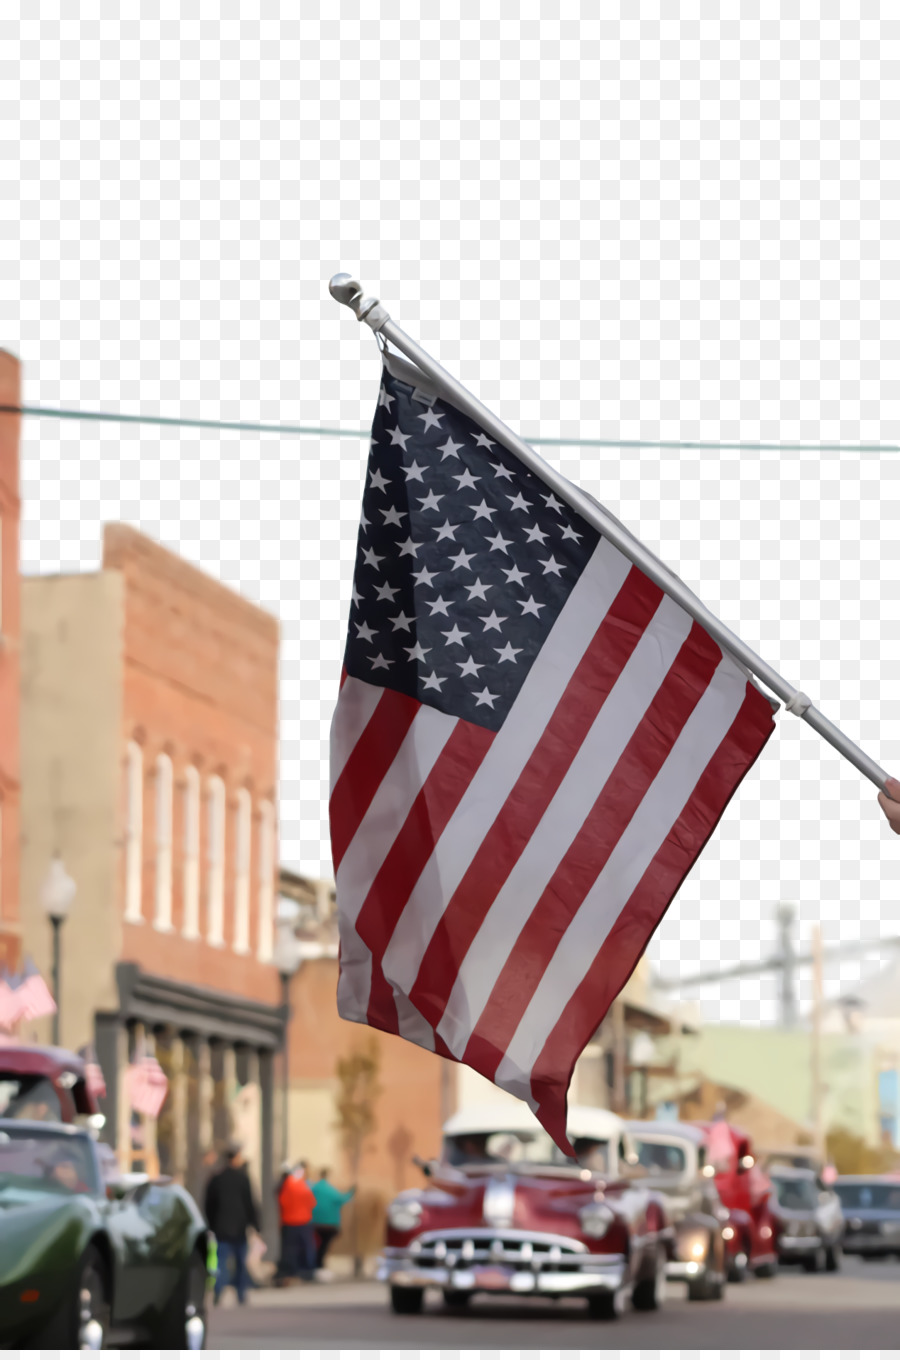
x=366, y=766
x=637, y=767
x=432, y=809
x=585, y=694
x=646, y=907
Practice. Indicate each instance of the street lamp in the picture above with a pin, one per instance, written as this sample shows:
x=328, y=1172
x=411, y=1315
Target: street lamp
x=287, y=961
x=57, y=893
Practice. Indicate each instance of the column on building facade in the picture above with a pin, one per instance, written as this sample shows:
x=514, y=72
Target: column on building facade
x=221, y=1122
x=267, y=1174
x=178, y=1102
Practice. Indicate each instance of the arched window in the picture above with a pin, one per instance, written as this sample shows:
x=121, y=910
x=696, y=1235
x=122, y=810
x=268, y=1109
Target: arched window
x=162, y=917
x=242, y=874
x=215, y=880
x=266, y=882
x=191, y=881
x=134, y=828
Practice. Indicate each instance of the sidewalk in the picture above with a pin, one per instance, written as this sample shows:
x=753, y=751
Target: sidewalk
x=334, y=1294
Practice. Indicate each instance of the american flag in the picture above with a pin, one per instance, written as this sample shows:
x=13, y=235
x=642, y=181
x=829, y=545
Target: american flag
x=24, y=996
x=93, y=1072
x=531, y=746
x=147, y=1086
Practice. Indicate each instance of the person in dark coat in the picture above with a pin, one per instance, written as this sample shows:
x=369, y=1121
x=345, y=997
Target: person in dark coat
x=230, y=1213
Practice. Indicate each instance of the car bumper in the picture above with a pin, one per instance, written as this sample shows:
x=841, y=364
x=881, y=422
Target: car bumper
x=593, y=1275
x=790, y=1248
x=872, y=1242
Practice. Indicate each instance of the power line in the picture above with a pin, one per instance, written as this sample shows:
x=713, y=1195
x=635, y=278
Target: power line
x=257, y=427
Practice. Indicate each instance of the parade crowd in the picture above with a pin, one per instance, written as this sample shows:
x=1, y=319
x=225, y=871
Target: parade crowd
x=309, y=1215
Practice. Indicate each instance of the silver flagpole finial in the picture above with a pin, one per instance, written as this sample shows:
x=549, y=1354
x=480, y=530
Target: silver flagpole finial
x=348, y=291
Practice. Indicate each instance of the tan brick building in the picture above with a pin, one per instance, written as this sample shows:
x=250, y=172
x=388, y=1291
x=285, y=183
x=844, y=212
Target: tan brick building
x=149, y=760
x=10, y=930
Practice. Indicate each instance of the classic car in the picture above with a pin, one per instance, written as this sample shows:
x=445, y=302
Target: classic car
x=871, y=1206
x=41, y=1082
x=506, y=1212
x=673, y=1158
x=809, y=1219
x=745, y=1190
x=83, y=1266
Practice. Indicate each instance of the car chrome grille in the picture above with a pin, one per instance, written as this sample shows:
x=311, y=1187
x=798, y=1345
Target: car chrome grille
x=476, y=1247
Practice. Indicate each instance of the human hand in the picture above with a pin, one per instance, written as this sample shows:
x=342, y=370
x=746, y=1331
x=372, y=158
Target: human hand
x=890, y=804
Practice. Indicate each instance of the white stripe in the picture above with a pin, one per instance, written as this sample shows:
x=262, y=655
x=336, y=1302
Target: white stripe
x=383, y=821
x=356, y=703
x=612, y=729
x=659, y=810
x=534, y=706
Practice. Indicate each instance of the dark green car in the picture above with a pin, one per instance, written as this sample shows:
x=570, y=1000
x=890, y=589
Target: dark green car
x=81, y=1268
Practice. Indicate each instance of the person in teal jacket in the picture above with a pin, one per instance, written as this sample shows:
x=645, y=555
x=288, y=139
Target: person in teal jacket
x=326, y=1217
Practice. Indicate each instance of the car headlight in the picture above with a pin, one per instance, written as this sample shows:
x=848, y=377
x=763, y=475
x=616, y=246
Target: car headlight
x=405, y=1214
x=596, y=1219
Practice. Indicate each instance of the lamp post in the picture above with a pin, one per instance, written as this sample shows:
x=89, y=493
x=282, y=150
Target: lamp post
x=287, y=961
x=57, y=892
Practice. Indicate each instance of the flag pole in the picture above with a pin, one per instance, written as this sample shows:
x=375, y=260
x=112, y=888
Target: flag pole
x=348, y=291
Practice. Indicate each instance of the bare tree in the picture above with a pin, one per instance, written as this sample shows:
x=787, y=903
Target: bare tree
x=358, y=1092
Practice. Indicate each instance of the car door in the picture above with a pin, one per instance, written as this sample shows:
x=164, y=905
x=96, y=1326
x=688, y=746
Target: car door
x=149, y=1245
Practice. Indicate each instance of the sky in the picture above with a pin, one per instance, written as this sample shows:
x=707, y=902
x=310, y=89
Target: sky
x=641, y=227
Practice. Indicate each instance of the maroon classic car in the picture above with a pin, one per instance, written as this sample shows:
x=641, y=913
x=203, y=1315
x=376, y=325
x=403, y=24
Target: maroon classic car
x=505, y=1212
x=38, y=1082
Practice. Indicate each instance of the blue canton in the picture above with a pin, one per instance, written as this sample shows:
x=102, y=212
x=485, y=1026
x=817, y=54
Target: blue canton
x=464, y=560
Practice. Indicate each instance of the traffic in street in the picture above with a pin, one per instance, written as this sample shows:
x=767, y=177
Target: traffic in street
x=858, y=1308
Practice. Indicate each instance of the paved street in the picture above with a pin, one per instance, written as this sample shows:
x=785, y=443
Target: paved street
x=858, y=1309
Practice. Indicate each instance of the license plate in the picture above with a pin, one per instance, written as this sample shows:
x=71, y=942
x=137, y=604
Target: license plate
x=493, y=1277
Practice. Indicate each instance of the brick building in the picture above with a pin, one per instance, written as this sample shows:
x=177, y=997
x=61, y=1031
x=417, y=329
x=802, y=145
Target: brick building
x=149, y=761
x=10, y=930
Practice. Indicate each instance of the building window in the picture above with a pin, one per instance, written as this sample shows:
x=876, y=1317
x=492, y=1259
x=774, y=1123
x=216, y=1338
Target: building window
x=134, y=827
x=162, y=918
x=215, y=880
x=191, y=881
x=242, y=874
x=266, y=885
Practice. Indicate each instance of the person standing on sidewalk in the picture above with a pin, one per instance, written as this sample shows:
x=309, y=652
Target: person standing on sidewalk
x=231, y=1213
x=295, y=1205
x=326, y=1216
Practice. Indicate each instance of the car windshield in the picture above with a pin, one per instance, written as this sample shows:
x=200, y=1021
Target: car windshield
x=658, y=1157
x=45, y=1163
x=795, y=1192
x=872, y=1195
x=28, y=1097
x=534, y=1147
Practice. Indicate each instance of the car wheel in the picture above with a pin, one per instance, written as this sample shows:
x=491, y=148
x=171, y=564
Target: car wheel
x=767, y=1271
x=709, y=1286
x=406, y=1300
x=457, y=1298
x=85, y=1323
x=737, y=1270
x=607, y=1307
x=834, y=1255
x=650, y=1293
x=816, y=1262
x=182, y=1326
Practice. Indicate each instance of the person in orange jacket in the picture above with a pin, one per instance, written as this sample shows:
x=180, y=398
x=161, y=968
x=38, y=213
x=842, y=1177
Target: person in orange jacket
x=296, y=1202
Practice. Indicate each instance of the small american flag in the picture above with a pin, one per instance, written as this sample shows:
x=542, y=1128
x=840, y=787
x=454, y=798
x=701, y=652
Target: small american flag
x=34, y=996
x=531, y=746
x=24, y=996
x=93, y=1073
x=147, y=1086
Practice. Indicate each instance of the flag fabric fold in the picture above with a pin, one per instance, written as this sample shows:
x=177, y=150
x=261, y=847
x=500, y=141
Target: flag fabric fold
x=531, y=746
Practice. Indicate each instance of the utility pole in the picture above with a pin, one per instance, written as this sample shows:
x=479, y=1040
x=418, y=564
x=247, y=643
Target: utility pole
x=816, y=1045
x=786, y=912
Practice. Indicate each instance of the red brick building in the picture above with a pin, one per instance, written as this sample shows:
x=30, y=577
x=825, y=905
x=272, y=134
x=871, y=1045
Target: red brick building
x=149, y=760
x=10, y=929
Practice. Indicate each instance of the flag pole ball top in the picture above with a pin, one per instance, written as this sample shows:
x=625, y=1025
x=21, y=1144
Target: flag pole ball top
x=348, y=291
